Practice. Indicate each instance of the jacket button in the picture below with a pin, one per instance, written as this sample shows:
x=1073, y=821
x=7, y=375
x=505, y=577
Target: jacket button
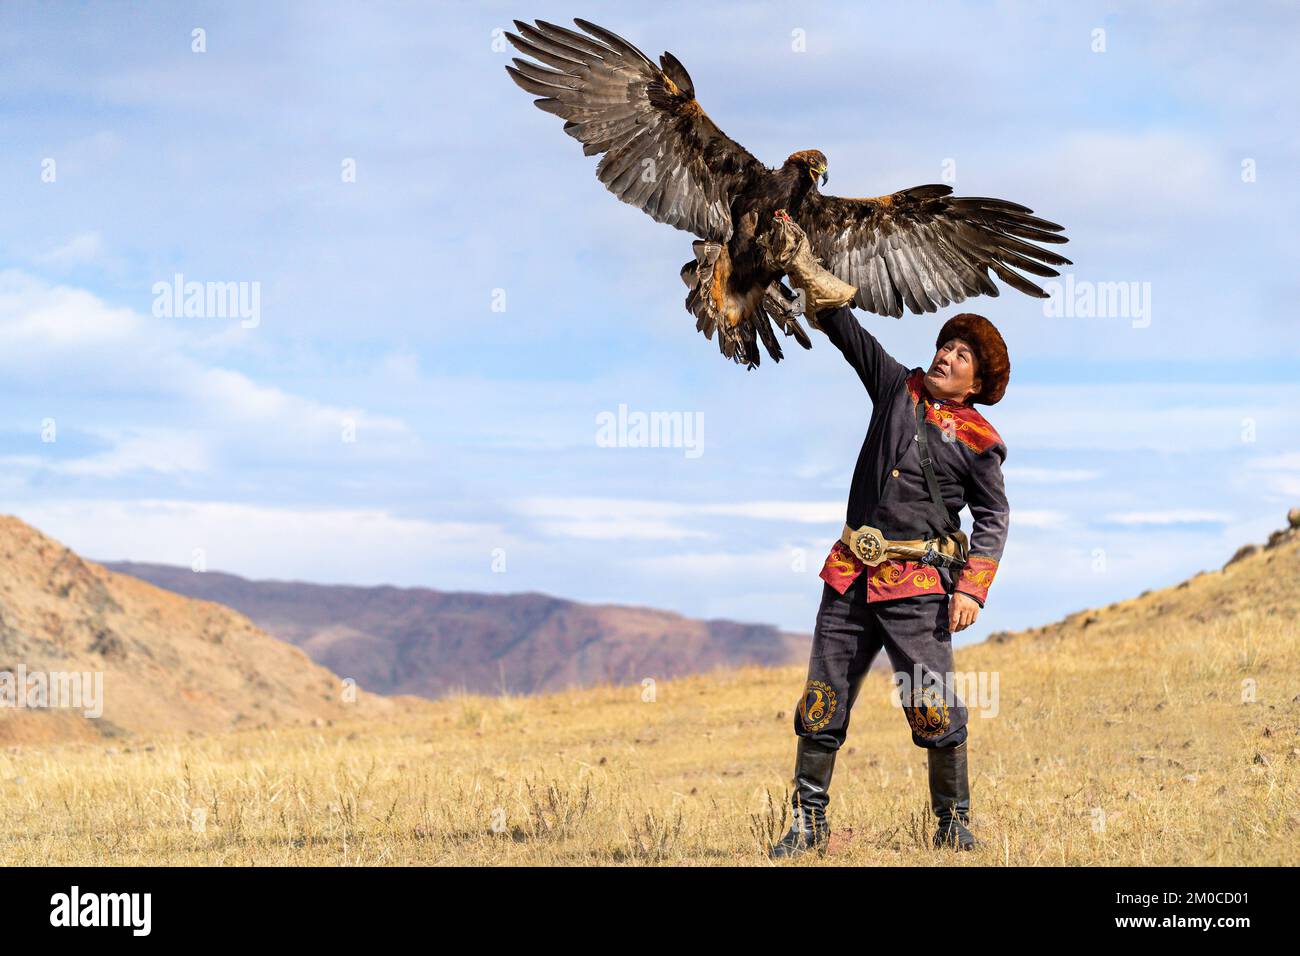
x=895, y=473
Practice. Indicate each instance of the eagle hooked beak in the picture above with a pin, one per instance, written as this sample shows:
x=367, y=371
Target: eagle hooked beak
x=821, y=170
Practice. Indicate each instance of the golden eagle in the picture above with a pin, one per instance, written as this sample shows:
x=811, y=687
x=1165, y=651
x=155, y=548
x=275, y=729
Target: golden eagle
x=921, y=248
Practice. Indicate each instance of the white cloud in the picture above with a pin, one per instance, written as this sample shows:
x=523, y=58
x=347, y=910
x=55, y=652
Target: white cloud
x=608, y=519
x=615, y=518
x=233, y=396
x=39, y=321
x=1185, y=516
x=1045, y=519
x=805, y=512
x=749, y=566
x=87, y=247
x=1165, y=417
x=1285, y=484
x=1278, y=474
x=1287, y=461
x=163, y=450
x=1048, y=476
x=52, y=333
x=359, y=546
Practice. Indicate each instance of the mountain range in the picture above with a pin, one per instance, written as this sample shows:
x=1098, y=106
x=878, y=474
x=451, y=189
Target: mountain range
x=431, y=643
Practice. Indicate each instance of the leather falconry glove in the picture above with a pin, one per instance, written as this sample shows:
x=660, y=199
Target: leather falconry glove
x=786, y=249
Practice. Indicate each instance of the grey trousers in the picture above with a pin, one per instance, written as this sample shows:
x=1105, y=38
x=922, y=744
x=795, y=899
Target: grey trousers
x=850, y=633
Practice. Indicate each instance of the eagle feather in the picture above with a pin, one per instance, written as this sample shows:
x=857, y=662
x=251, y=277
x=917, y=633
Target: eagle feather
x=919, y=249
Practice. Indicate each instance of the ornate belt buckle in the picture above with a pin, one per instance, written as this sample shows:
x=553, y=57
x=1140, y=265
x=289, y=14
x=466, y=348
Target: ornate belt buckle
x=868, y=545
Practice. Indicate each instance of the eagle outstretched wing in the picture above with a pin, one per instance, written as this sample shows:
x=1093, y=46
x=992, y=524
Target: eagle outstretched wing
x=926, y=249
x=662, y=152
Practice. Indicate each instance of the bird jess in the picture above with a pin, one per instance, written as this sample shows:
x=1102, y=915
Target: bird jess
x=921, y=248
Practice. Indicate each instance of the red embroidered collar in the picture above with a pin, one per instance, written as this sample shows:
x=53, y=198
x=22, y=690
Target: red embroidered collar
x=967, y=424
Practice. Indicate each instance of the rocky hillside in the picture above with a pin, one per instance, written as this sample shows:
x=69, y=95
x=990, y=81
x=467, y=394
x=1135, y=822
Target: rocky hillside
x=1259, y=578
x=166, y=662
x=427, y=642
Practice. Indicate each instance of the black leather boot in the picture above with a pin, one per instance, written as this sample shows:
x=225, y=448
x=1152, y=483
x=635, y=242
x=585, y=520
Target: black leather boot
x=950, y=796
x=812, y=779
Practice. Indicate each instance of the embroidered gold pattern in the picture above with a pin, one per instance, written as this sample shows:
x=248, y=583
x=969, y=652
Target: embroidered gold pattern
x=928, y=712
x=817, y=706
x=963, y=422
x=977, y=575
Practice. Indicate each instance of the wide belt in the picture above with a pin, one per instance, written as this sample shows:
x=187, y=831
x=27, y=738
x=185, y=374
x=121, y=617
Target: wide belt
x=871, y=547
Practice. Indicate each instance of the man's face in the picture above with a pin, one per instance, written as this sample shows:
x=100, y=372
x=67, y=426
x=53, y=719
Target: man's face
x=952, y=374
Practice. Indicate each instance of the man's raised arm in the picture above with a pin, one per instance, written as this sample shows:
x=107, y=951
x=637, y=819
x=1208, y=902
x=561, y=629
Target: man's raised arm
x=878, y=370
x=826, y=300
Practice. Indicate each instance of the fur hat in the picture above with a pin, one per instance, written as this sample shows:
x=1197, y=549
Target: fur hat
x=993, y=366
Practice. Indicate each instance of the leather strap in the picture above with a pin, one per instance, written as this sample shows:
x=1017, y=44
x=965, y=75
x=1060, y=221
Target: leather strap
x=927, y=466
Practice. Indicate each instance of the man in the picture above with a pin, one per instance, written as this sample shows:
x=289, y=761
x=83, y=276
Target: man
x=917, y=589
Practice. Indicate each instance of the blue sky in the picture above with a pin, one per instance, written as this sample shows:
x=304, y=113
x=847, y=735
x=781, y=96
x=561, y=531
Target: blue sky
x=385, y=421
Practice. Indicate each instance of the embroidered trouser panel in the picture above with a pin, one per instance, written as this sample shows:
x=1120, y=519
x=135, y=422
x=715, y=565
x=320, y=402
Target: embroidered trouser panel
x=850, y=632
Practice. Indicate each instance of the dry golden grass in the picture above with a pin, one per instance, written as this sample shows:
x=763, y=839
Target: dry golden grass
x=1128, y=745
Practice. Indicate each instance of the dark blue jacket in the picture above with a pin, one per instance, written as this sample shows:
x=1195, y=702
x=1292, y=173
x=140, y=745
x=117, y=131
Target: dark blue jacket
x=889, y=491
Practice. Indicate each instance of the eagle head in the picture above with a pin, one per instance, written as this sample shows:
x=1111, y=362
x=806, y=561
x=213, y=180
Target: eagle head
x=812, y=161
